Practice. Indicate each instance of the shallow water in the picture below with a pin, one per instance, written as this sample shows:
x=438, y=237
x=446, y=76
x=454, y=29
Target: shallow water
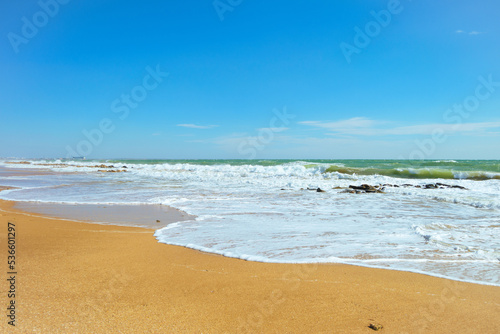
x=145, y=215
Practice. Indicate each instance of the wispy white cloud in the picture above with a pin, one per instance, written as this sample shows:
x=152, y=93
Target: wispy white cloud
x=194, y=126
x=314, y=147
x=343, y=125
x=365, y=127
x=353, y=126
x=473, y=32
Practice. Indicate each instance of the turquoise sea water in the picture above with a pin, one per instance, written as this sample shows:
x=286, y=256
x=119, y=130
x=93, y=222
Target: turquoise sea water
x=445, y=169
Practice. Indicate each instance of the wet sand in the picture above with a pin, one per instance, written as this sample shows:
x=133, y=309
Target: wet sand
x=5, y=171
x=86, y=278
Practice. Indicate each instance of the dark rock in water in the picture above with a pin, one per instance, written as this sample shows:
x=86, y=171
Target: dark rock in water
x=282, y=189
x=380, y=187
x=157, y=220
x=337, y=187
x=111, y=170
x=319, y=190
x=439, y=185
x=124, y=167
x=366, y=188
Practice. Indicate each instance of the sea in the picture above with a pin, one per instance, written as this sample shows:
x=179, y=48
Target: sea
x=435, y=217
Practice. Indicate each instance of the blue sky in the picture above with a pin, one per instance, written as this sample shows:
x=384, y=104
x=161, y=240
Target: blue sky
x=250, y=79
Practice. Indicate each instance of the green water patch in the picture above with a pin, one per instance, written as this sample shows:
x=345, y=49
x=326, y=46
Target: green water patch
x=416, y=173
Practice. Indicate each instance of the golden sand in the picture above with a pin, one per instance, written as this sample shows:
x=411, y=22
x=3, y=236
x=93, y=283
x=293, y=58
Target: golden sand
x=85, y=278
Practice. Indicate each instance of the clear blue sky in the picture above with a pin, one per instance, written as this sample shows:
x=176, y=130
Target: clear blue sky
x=230, y=65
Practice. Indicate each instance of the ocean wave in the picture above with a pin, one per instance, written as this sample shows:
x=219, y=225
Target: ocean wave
x=417, y=173
x=427, y=169
x=261, y=210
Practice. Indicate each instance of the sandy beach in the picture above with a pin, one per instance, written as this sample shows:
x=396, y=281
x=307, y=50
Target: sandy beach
x=86, y=278
x=233, y=167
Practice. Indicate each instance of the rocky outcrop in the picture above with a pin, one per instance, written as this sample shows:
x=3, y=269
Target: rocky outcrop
x=103, y=166
x=18, y=162
x=366, y=188
x=436, y=185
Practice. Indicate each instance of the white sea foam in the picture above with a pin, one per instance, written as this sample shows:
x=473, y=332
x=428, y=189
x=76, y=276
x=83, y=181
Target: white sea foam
x=266, y=213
